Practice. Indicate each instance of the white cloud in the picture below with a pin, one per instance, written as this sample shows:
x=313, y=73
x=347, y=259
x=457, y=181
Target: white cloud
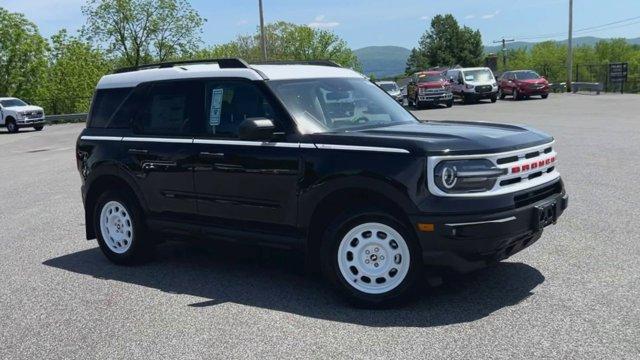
x=426, y=17
x=470, y=16
x=492, y=15
x=319, y=22
x=242, y=22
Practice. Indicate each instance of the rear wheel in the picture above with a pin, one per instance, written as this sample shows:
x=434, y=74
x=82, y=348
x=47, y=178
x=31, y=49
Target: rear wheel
x=371, y=258
x=11, y=125
x=38, y=127
x=544, y=96
x=119, y=228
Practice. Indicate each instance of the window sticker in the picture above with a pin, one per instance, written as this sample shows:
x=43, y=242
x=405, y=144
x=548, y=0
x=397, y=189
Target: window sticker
x=216, y=106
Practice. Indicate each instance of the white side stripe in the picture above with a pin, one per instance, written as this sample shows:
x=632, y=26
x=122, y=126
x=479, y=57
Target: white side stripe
x=250, y=143
x=246, y=143
x=105, y=138
x=159, y=140
x=361, y=148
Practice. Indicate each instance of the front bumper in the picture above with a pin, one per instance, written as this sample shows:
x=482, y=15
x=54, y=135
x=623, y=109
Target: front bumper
x=529, y=91
x=30, y=122
x=435, y=98
x=465, y=243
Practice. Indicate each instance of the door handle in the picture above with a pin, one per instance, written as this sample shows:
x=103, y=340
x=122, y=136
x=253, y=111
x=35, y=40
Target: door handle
x=138, y=151
x=210, y=155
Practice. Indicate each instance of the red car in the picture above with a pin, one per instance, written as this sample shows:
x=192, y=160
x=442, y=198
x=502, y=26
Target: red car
x=429, y=88
x=522, y=84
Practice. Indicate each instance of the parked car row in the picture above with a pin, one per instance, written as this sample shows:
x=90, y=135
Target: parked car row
x=470, y=85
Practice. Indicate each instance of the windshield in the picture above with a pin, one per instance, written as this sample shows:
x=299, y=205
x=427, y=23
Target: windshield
x=527, y=75
x=12, y=102
x=388, y=86
x=341, y=104
x=430, y=78
x=482, y=75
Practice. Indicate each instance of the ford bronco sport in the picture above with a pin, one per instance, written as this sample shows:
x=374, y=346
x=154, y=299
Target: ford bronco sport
x=312, y=157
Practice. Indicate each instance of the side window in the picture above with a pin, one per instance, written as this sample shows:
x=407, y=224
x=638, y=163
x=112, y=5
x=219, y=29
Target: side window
x=170, y=108
x=105, y=103
x=229, y=103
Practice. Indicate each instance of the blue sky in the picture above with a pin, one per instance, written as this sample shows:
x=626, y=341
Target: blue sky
x=375, y=22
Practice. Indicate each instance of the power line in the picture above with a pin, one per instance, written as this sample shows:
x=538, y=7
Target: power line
x=584, y=30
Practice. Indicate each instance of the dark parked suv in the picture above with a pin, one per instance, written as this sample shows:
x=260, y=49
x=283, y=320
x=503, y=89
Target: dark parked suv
x=312, y=157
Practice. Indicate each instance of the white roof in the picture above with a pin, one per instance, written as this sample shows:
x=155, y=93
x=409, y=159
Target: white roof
x=271, y=72
x=472, y=68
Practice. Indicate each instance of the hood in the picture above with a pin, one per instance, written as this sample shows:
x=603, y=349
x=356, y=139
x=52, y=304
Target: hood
x=393, y=92
x=23, y=108
x=452, y=137
x=532, y=81
x=433, y=85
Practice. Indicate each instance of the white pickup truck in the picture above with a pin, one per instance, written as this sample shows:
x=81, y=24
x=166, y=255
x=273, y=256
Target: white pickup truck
x=16, y=114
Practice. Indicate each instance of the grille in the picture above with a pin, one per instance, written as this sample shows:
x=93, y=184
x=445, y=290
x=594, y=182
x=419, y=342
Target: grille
x=523, y=169
x=34, y=115
x=483, y=88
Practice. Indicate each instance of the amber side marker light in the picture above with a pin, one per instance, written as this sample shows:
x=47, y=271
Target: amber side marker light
x=425, y=227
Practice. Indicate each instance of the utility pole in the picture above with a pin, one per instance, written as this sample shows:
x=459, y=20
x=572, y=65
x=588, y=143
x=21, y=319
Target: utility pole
x=570, y=48
x=504, y=50
x=263, y=41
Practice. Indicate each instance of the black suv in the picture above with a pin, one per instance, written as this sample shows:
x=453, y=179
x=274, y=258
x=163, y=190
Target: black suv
x=312, y=157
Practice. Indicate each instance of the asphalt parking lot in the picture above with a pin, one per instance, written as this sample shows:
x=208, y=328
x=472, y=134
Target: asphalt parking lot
x=574, y=294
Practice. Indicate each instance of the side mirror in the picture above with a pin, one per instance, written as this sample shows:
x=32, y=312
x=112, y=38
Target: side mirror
x=260, y=129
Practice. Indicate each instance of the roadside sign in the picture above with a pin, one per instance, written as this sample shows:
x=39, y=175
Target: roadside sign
x=618, y=72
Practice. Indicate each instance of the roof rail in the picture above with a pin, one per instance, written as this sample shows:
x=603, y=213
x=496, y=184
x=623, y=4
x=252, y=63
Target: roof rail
x=298, y=62
x=225, y=63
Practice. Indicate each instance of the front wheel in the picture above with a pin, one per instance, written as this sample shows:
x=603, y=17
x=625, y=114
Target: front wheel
x=544, y=96
x=119, y=228
x=501, y=94
x=494, y=98
x=12, y=127
x=450, y=103
x=38, y=127
x=371, y=258
x=516, y=95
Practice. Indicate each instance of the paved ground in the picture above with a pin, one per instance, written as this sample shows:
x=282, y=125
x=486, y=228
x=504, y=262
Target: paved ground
x=574, y=294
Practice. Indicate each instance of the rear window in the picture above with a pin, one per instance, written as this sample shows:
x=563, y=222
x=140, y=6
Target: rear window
x=105, y=104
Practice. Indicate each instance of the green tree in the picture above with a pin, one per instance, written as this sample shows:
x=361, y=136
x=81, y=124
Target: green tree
x=139, y=31
x=287, y=41
x=445, y=43
x=74, y=69
x=22, y=55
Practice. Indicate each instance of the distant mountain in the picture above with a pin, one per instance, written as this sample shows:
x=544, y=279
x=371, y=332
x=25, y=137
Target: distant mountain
x=383, y=61
x=583, y=40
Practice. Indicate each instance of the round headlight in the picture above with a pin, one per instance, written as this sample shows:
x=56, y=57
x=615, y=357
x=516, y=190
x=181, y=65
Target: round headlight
x=466, y=176
x=449, y=177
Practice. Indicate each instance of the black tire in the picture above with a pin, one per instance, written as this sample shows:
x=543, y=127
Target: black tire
x=494, y=98
x=545, y=96
x=516, y=94
x=11, y=125
x=141, y=247
x=501, y=94
x=334, y=235
x=468, y=99
x=38, y=127
x=449, y=103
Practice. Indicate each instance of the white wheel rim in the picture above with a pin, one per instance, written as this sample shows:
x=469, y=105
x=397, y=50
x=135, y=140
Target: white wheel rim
x=116, y=227
x=373, y=258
